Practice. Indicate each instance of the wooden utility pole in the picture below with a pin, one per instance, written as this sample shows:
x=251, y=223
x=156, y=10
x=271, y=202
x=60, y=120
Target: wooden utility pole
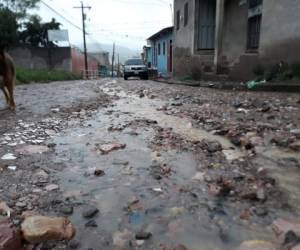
x=82, y=7
x=113, y=61
x=119, y=65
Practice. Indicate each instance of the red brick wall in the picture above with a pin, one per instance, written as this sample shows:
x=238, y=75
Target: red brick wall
x=78, y=62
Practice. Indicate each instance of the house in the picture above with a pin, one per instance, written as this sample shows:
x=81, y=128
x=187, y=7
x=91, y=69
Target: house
x=147, y=55
x=234, y=36
x=160, y=52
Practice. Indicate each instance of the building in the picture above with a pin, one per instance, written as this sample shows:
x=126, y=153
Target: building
x=159, y=53
x=234, y=36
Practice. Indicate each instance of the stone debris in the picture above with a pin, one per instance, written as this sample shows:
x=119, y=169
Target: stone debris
x=10, y=238
x=109, y=147
x=39, y=229
x=32, y=133
x=5, y=210
x=99, y=173
x=32, y=149
x=51, y=187
x=282, y=226
x=8, y=157
x=90, y=212
x=257, y=245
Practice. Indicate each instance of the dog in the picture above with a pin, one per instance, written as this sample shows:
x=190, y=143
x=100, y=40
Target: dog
x=7, y=78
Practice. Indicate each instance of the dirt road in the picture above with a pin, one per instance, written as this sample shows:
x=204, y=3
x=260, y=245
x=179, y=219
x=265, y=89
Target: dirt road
x=166, y=166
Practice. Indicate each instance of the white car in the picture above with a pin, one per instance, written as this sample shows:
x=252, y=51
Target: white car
x=135, y=68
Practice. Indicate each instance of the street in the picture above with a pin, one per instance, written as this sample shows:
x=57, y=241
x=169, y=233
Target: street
x=147, y=165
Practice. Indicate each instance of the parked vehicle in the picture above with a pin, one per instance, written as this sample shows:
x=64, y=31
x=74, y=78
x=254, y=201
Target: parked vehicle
x=135, y=68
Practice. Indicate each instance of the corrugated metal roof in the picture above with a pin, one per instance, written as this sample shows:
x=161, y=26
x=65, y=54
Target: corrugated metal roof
x=161, y=33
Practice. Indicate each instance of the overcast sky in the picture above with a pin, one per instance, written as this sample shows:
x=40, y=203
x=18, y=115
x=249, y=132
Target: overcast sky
x=127, y=22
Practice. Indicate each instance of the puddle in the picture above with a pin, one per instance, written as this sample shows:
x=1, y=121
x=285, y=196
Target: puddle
x=170, y=215
x=145, y=108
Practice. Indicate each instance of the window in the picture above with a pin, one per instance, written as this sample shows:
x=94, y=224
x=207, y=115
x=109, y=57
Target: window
x=186, y=14
x=254, y=24
x=159, y=49
x=178, y=19
x=164, y=48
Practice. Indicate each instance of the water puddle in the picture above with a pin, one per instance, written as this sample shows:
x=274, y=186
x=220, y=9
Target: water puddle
x=146, y=108
x=161, y=208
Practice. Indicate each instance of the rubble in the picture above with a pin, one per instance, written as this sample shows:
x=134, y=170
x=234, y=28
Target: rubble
x=107, y=148
x=257, y=245
x=38, y=229
x=10, y=238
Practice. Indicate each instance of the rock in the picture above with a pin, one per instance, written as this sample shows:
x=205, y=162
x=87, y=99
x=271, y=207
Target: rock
x=32, y=149
x=67, y=210
x=74, y=244
x=99, y=173
x=199, y=176
x=8, y=157
x=107, y=148
x=282, y=226
x=261, y=194
x=257, y=245
x=180, y=247
x=5, y=210
x=291, y=240
x=40, y=177
x=91, y=223
x=51, y=187
x=261, y=211
x=143, y=236
x=39, y=229
x=296, y=132
x=21, y=204
x=122, y=238
x=90, y=212
x=295, y=145
x=9, y=237
x=213, y=147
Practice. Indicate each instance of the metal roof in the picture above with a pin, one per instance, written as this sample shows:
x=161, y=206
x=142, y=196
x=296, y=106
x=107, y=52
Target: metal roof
x=161, y=33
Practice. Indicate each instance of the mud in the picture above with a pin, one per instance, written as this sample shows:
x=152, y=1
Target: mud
x=179, y=177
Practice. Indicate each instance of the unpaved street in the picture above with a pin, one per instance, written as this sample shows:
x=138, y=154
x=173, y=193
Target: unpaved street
x=167, y=166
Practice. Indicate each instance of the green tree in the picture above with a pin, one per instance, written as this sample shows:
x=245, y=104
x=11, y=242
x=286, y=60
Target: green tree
x=36, y=33
x=19, y=7
x=8, y=28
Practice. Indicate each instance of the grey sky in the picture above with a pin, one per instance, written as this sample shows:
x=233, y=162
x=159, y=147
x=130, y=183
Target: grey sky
x=127, y=22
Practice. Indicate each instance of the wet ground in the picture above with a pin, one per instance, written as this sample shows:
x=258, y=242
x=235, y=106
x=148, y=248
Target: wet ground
x=202, y=168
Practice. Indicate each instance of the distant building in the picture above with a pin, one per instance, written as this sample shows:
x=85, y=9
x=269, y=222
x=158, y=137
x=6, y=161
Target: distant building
x=159, y=53
x=234, y=36
x=101, y=57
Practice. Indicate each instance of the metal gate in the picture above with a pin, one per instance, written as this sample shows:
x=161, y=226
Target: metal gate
x=207, y=24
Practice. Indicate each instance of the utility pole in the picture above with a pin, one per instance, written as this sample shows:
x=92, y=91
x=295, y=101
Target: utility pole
x=119, y=65
x=113, y=61
x=82, y=7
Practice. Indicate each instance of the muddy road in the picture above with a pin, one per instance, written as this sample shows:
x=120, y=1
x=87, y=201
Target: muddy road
x=145, y=165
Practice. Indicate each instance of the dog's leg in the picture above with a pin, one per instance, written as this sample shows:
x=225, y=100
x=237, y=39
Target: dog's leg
x=5, y=94
x=10, y=87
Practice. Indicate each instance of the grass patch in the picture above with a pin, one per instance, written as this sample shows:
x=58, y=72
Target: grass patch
x=26, y=76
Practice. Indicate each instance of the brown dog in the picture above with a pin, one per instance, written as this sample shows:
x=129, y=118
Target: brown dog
x=8, y=75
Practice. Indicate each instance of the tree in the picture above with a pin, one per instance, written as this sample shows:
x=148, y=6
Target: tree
x=8, y=28
x=36, y=33
x=19, y=7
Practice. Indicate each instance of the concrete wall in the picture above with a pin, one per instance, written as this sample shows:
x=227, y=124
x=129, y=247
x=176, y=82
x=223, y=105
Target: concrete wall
x=280, y=32
x=41, y=58
x=184, y=39
x=234, y=31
